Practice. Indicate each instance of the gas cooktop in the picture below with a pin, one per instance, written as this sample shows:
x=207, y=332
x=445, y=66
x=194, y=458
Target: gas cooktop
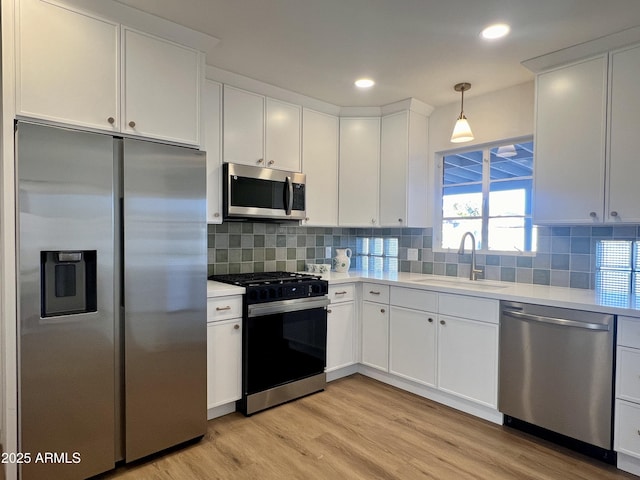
x=263, y=278
x=271, y=286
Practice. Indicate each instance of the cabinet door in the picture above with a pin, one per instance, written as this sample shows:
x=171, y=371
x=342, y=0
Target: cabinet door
x=224, y=362
x=375, y=335
x=212, y=143
x=570, y=144
x=283, y=135
x=412, y=345
x=161, y=97
x=320, y=164
x=468, y=359
x=340, y=335
x=359, y=169
x=394, y=152
x=66, y=66
x=243, y=127
x=623, y=168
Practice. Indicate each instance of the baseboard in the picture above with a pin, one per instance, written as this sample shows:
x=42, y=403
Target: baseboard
x=342, y=372
x=628, y=463
x=467, y=406
x=221, y=410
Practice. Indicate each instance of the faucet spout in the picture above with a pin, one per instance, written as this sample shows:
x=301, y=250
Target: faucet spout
x=473, y=274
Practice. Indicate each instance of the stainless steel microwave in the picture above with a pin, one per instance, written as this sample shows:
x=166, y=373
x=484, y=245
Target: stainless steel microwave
x=262, y=193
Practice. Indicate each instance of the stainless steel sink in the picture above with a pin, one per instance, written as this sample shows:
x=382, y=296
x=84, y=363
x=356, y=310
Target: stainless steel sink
x=463, y=282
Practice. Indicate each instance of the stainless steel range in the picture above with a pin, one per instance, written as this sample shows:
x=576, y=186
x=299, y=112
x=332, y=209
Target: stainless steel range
x=284, y=337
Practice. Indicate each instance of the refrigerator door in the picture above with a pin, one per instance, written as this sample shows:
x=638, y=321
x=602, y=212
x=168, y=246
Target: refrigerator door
x=66, y=264
x=165, y=273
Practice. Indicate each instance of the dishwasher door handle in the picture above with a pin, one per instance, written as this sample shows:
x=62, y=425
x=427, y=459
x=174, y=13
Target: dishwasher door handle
x=563, y=322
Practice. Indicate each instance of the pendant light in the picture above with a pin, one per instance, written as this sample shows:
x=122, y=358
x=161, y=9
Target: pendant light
x=462, y=130
x=506, y=151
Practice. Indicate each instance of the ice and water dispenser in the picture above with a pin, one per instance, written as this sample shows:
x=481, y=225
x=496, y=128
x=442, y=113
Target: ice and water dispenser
x=68, y=282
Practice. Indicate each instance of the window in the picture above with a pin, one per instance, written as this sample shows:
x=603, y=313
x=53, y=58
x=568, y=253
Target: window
x=377, y=254
x=618, y=271
x=488, y=192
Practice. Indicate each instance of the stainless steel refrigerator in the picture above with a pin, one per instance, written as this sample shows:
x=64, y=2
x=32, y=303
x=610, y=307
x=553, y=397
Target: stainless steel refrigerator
x=112, y=299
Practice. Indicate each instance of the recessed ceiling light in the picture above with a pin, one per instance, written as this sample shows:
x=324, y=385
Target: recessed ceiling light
x=364, y=83
x=497, y=30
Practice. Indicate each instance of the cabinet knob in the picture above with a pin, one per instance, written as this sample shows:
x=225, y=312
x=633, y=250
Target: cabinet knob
x=614, y=214
x=236, y=327
x=132, y=124
x=442, y=322
x=111, y=120
x=430, y=320
x=382, y=310
x=328, y=310
x=216, y=214
x=306, y=219
x=373, y=221
x=271, y=162
x=399, y=220
x=593, y=214
x=260, y=160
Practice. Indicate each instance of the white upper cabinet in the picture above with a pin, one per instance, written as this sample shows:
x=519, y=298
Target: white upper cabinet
x=212, y=143
x=403, y=170
x=161, y=89
x=261, y=131
x=570, y=143
x=243, y=127
x=283, y=123
x=78, y=69
x=359, y=183
x=67, y=67
x=623, y=168
x=320, y=164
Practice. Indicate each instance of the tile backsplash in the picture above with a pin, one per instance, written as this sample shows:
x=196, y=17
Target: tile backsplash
x=565, y=257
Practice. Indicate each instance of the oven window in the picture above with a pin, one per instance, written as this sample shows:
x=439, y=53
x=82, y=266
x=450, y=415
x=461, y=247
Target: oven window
x=284, y=347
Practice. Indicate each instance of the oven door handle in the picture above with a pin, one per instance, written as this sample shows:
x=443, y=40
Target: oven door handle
x=285, y=306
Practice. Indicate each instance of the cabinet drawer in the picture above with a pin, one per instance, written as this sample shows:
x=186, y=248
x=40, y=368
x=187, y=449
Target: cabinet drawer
x=627, y=429
x=414, y=298
x=223, y=308
x=374, y=292
x=483, y=309
x=628, y=374
x=629, y=332
x=342, y=293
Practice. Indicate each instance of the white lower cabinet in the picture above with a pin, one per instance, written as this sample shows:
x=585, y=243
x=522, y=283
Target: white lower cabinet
x=412, y=345
x=626, y=437
x=375, y=335
x=224, y=351
x=340, y=336
x=468, y=359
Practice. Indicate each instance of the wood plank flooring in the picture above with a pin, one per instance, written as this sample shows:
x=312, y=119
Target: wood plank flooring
x=362, y=429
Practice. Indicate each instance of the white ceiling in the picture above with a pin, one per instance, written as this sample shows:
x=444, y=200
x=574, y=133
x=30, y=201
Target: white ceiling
x=412, y=48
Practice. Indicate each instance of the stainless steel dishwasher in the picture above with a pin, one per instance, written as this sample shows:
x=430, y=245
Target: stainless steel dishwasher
x=556, y=372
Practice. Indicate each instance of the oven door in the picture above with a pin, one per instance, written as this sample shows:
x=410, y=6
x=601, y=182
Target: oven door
x=284, y=341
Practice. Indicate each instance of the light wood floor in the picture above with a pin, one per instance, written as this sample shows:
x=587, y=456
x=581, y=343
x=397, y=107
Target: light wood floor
x=362, y=429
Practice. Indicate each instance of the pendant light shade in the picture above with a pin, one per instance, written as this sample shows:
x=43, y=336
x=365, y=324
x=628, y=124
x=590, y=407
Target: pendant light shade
x=462, y=130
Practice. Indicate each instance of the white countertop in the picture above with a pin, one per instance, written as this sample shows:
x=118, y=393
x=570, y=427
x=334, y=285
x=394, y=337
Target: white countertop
x=577, y=298
x=218, y=289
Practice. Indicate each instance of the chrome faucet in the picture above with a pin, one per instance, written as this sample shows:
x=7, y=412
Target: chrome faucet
x=473, y=274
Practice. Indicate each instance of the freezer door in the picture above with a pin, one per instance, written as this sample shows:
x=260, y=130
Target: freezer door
x=165, y=269
x=66, y=295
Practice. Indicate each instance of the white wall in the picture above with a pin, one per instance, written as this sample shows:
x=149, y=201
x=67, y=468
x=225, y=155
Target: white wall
x=505, y=114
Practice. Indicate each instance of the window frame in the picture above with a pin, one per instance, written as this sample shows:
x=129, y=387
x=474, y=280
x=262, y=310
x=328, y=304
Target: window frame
x=485, y=189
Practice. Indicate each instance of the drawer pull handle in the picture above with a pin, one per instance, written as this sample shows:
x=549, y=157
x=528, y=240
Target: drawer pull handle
x=236, y=327
x=220, y=309
x=341, y=293
x=374, y=293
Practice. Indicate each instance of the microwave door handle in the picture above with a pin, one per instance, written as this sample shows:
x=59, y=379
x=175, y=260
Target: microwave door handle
x=288, y=196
